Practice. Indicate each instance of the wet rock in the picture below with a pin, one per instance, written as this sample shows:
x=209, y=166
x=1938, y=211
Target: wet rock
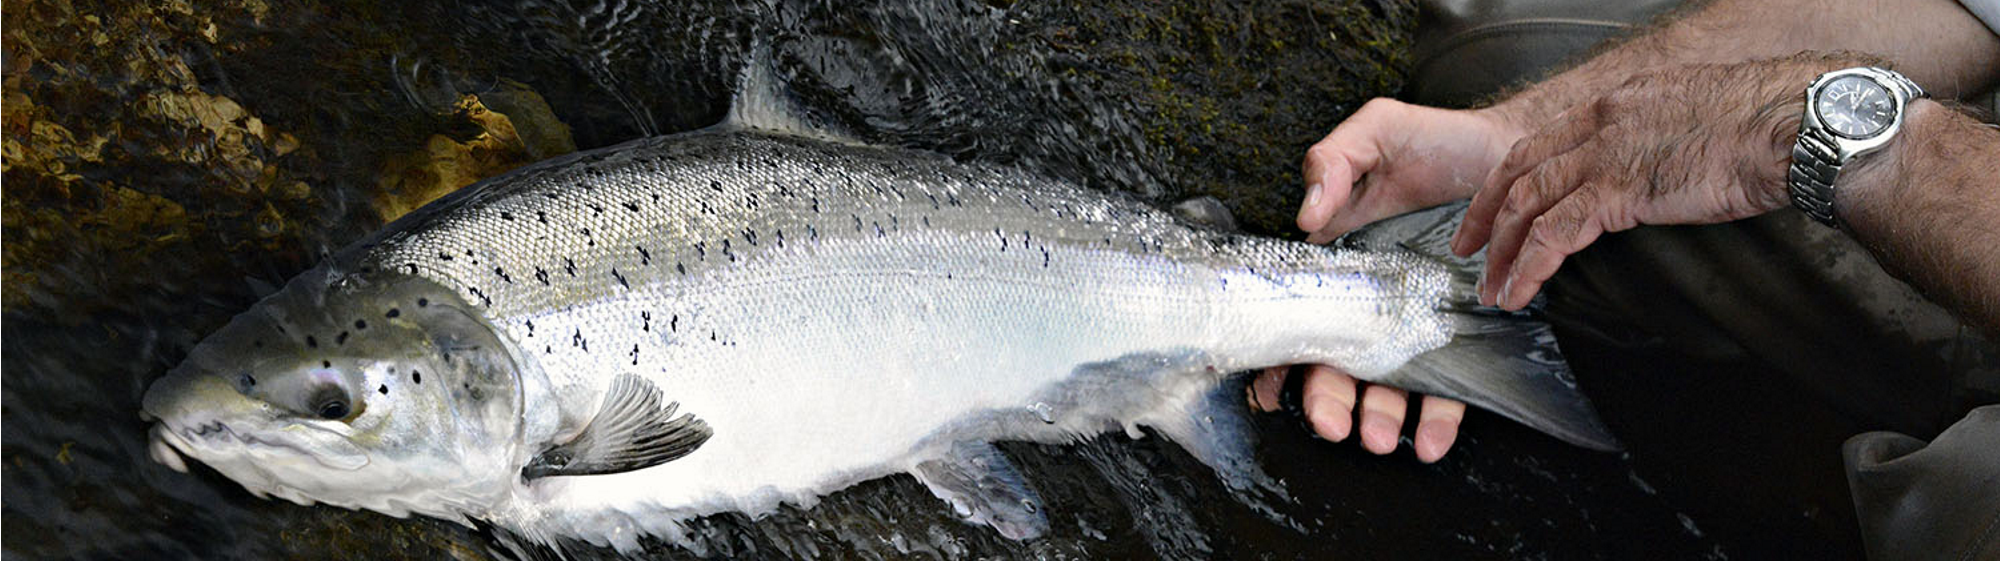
x=443, y=165
x=130, y=152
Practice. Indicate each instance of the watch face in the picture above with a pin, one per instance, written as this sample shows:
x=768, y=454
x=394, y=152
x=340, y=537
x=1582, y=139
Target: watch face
x=1855, y=107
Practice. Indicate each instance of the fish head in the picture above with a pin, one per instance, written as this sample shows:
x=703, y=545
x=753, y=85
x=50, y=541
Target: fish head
x=378, y=391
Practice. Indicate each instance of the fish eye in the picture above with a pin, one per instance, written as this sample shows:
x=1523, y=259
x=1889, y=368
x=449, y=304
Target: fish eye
x=331, y=403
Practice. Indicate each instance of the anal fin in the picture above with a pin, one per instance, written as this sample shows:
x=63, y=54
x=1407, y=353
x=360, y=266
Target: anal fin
x=983, y=486
x=1215, y=428
x=632, y=430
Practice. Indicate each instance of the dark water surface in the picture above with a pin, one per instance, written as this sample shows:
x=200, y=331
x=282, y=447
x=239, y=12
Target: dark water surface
x=157, y=212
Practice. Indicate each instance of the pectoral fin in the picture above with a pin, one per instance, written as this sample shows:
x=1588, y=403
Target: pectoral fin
x=632, y=430
x=984, y=488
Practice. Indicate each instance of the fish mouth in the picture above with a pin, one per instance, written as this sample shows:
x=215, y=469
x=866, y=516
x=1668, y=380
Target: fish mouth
x=170, y=445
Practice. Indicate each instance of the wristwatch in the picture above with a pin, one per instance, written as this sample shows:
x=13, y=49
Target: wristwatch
x=1849, y=113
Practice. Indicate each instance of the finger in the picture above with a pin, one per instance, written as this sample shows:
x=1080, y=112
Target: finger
x=1264, y=389
x=1531, y=196
x=1331, y=176
x=1382, y=409
x=1565, y=229
x=1571, y=129
x=1336, y=163
x=1437, y=427
x=1329, y=402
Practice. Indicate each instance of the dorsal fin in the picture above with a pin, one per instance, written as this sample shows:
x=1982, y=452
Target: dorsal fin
x=763, y=103
x=632, y=430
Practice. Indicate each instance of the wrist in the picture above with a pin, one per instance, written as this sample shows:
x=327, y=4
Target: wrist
x=1866, y=183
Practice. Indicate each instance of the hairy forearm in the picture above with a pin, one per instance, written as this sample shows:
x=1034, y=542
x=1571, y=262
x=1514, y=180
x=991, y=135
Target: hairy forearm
x=1934, y=42
x=1928, y=207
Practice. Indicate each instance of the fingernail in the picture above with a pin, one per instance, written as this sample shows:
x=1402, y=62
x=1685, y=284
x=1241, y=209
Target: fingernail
x=1432, y=441
x=1506, y=289
x=1332, y=427
x=1312, y=197
x=1378, y=433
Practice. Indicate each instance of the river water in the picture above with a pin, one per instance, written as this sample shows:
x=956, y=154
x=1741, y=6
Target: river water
x=210, y=150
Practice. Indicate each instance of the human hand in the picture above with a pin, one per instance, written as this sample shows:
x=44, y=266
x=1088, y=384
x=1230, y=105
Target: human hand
x=1387, y=159
x=1329, y=398
x=1392, y=157
x=1695, y=144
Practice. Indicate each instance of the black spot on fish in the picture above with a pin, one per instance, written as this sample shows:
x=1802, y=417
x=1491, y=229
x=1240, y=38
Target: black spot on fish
x=812, y=232
x=542, y=217
x=312, y=342
x=621, y=278
x=781, y=238
x=542, y=275
x=503, y=275
x=531, y=327
x=360, y=324
x=1003, y=239
x=674, y=324
x=680, y=268
x=595, y=210
x=416, y=377
x=423, y=302
x=326, y=364
x=569, y=266
x=340, y=339
x=717, y=185
x=725, y=251
x=482, y=296
x=631, y=206
x=645, y=257
x=635, y=355
x=384, y=389
x=444, y=256
x=815, y=201
x=750, y=235
x=857, y=222
x=934, y=202
x=576, y=340
x=506, y=216
x=878, y=230
x=393, y=312
x=1045, y=258
x=646, y=321
x=927, y=221
x=413, y=268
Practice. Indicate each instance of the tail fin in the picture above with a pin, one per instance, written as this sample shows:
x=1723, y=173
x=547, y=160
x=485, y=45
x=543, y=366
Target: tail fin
x=1501, y=361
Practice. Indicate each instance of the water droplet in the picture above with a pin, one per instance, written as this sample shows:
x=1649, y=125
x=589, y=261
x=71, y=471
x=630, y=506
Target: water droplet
x=1044, y=412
